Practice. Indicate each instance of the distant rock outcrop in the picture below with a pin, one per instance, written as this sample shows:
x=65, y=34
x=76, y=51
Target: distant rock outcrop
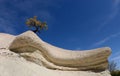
x=27, y=55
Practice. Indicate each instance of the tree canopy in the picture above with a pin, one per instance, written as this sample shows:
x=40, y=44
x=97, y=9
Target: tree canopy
x=38, y=25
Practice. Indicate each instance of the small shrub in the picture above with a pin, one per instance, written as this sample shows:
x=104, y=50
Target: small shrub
x=115, y=73
x=112, y=66
x=38, y=25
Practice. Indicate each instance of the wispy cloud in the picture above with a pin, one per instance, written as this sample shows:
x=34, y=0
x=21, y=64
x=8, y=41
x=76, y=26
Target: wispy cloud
x=116, y=58
x=26, y=7
x=15, y=12
x=36, y=7
x=6, y=26
x=78, y=48
x=112, y=15
x=116, y=3
x=105, y=39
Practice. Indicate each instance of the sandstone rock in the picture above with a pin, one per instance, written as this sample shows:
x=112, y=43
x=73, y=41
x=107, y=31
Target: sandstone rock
x=33, y=48
x=17, y=66
x=27, y=55
x=5, y=40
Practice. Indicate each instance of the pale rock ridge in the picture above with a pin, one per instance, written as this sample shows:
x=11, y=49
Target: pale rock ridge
x=28, y=46
x=6, y=40
x=42, y=53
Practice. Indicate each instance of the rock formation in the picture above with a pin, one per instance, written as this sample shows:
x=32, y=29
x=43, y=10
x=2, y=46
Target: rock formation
x=28, y=55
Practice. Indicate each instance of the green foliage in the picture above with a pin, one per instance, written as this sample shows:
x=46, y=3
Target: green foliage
x=33, y=22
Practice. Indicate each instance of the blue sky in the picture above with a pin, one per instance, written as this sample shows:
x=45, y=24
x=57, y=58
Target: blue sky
x=73, y=24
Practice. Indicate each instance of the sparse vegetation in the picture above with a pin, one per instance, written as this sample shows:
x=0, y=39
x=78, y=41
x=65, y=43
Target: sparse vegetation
x=115, y=73
x=113, y=69
x=112, y=66
x=38, y=25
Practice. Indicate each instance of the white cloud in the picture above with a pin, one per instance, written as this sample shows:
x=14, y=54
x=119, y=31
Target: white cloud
x=105, y=39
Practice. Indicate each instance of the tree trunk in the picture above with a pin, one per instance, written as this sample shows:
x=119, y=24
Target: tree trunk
x=36, y=30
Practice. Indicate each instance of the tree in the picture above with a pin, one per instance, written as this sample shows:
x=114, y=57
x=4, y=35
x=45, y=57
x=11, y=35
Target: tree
x=112, y=66
x=38, y=25
x=114, y=71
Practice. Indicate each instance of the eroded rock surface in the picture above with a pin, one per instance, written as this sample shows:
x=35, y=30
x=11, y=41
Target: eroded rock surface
x=27, y=55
